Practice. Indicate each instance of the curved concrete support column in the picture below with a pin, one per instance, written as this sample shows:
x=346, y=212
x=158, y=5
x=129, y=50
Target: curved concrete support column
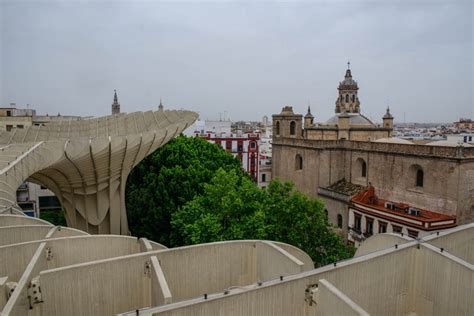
x=86, y=163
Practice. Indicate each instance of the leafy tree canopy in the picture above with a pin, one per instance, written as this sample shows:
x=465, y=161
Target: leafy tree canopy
x=55, y=217
x=233, y=207
x=167, y=179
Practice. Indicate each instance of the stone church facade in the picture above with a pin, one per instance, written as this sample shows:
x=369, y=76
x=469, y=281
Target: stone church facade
x=337, y=159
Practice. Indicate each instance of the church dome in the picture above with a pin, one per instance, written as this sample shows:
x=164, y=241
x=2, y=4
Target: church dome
x=354, y=119
x=348, y=81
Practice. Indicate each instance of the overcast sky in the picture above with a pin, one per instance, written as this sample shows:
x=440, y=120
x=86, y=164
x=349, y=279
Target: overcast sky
x=247, y=59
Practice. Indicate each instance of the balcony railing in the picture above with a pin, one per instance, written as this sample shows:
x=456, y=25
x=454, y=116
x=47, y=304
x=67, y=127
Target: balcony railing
x=356, y=234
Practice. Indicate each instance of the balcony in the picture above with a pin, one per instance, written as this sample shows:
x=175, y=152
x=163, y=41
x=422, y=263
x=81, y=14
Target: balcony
x=356, y=234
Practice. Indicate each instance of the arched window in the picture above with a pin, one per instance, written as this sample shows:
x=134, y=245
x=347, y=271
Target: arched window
x=347, y=98
x=292, y=128
x=298, y=162
x=419, y=177
x=277, y=128
x=326, y=212
x=360, y=168
x=342, y=97
x=353, y=97
x=416, y=176
x=339, y=220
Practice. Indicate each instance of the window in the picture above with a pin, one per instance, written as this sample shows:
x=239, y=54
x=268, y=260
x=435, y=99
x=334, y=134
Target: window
x=9, y=113
x=347, y=98
x=339, y=220
x=326, y=212
x=416, y=176
x=19, y=126
x=49, y=203
x=382, y=227
x=412, y=233
x=369, y=226
x=9, y=128
x=253, y=145
x=240, y=146
x=353, y=98
x=277, y=128
x=357, y=222
x=397, y=229
x=419, y=178
x=361, y=168
x=298, y=162
x=342, y=97
x=292, y=128
x=264, y=177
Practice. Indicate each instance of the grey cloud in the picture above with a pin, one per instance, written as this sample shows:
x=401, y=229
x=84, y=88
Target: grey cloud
x=248, y=59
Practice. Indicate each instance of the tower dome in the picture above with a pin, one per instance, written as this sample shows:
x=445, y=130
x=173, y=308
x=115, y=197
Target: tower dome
x=348, y=101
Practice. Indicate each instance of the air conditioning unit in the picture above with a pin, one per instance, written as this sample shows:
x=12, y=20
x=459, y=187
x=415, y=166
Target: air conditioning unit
x=389, y=205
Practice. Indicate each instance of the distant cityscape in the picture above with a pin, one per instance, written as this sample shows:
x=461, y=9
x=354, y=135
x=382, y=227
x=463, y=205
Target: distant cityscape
x=249, y=141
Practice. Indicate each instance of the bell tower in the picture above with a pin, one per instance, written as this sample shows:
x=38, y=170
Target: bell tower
x=287, y=124
x=115, y=105
x=308, y=119
x=348, y=101
x=388, y=121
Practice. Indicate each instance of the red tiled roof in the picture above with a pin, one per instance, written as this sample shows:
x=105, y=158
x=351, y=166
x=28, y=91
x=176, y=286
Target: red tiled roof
x=369, y=199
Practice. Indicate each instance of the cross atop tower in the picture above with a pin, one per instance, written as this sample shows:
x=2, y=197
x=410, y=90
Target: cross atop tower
x=348, y=65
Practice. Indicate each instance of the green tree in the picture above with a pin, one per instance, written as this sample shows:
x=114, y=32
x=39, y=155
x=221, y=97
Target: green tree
x=230, y=208
x=233, y=207
x=300, y=221
x=166, y=180
x=55, y=217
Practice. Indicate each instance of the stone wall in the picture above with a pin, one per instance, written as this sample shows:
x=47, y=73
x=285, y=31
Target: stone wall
x=448, y=185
